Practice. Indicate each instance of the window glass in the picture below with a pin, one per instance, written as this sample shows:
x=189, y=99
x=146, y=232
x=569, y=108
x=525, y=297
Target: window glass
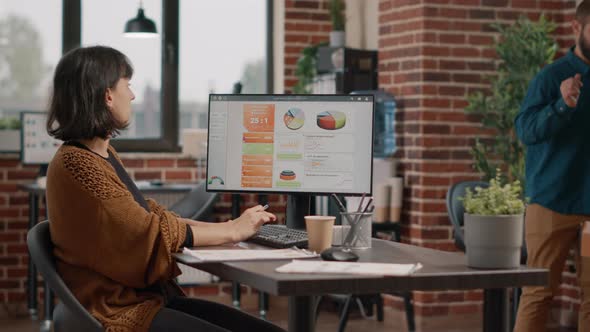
x=30, y=47
x=222, y=42
x=103, y=23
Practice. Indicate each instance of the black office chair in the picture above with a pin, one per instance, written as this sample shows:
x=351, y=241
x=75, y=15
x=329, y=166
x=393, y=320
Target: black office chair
x=69, y=314
x=197, y=204
x=456, y=210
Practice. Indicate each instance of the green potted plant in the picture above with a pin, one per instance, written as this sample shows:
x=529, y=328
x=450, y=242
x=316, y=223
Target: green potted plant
x=305, y=69
x=10, y=134
x=337, y=35
x=523, y=49
x=494, y=223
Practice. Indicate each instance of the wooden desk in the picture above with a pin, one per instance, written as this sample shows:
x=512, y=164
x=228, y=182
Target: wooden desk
x=35, y=194
x=441, y=271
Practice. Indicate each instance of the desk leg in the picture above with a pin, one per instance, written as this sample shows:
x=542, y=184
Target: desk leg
x=496, y=317
x=48, y=307
x=48, y=304
x=301, y=314
x=262, y=304
x=236, y=294
x=32, y=273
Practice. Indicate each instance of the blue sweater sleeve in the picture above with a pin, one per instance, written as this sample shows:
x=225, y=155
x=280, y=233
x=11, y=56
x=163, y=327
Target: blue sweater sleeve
x=543, y=114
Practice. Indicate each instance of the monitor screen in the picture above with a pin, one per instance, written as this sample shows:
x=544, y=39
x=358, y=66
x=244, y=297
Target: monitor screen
x=37, y=147
x=317, y=144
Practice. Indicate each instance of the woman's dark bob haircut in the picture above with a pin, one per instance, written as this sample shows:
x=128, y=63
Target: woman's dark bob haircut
x=78, y=107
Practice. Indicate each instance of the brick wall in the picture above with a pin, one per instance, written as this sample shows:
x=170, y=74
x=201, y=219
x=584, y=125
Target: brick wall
x=306, y=23
x=13, y=226
x=14, y=208
x=431, y=54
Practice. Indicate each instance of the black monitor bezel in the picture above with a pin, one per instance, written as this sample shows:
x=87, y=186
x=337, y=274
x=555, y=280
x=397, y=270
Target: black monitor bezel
x=294, y=96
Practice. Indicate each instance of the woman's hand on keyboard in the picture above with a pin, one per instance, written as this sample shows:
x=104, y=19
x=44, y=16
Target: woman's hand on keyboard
x=249, y=222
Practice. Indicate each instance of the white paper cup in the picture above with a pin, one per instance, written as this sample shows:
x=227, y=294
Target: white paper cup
x=319, y=232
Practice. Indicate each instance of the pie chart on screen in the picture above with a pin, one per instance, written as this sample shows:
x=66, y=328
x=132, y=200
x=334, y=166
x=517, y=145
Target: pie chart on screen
x=294, y=118
x=331, y=120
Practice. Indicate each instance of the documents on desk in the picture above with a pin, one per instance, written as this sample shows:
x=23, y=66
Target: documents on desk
x=225, y=255
x=374, y=269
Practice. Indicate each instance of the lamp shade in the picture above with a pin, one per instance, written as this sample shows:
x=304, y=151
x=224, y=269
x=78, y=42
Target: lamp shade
x=140, y=26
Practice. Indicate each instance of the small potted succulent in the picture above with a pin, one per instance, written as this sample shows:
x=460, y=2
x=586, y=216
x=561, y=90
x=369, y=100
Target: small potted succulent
x=494, y=224
x=337, y=35
x=9, y=135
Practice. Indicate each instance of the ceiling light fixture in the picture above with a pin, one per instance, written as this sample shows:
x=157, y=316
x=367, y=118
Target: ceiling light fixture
x=140, y=26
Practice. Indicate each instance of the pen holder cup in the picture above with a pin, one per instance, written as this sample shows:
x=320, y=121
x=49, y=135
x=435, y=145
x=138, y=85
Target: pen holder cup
x=359, y=225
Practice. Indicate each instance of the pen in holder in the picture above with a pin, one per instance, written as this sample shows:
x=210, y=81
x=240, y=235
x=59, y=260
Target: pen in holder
x=359, y=233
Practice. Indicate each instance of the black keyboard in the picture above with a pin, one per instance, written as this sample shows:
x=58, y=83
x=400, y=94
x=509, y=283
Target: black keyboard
x=279, y=236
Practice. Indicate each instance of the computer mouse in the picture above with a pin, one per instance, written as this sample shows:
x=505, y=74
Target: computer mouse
x=337, y=254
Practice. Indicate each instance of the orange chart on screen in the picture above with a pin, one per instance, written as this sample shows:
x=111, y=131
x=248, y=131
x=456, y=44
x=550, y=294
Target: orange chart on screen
x=259, y=117
x=258, y=145
x=331, y=120
x=256, y=159
x=257, y=170
x=258, y=137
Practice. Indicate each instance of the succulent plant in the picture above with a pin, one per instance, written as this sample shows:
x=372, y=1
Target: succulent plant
x=497, y=199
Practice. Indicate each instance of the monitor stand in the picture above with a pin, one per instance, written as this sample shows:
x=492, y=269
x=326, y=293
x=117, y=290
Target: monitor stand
x=43, y=170
x=41, y=179
x=298, y=206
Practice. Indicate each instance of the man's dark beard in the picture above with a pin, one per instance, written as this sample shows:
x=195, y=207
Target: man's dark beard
x=584, y=47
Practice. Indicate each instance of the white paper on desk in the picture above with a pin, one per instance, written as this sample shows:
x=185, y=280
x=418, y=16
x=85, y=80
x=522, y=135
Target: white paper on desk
x=224, y=255
x=376, y=269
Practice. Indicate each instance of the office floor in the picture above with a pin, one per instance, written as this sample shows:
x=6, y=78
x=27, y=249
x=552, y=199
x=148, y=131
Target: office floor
x=328, y=320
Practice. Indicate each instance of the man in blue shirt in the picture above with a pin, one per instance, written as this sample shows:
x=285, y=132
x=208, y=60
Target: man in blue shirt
x=554, y=124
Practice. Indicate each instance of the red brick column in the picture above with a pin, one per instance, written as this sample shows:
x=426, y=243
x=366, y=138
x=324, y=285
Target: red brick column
x=307, y=22
x=432, y=54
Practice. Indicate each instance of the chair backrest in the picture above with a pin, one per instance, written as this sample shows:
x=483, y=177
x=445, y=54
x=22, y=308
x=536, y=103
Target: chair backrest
x=197, y=204
x=455, y=207
x=70, y=315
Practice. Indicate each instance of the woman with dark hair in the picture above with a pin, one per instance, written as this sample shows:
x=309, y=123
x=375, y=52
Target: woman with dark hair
x=113, y=247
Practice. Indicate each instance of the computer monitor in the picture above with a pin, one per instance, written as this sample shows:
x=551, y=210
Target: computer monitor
x=37, y=147
x=299, y=145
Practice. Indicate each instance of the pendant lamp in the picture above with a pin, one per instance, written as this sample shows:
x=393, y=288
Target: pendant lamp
x=140, y=26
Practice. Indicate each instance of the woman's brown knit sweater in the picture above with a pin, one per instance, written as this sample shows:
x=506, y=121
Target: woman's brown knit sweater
x=109, y=249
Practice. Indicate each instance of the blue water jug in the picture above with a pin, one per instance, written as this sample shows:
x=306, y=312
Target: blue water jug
x=384, y=125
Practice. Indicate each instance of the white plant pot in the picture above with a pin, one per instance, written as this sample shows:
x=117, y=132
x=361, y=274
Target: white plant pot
x=9, y=140
x=493, y=242
x=337, y=38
